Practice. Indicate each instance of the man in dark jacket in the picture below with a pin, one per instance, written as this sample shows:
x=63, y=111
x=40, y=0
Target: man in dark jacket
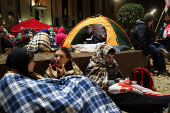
x=142, y=39
x=89, y=37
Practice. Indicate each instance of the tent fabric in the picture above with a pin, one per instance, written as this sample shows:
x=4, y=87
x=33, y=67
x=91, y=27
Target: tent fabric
x=116, y=36
x=31, y=23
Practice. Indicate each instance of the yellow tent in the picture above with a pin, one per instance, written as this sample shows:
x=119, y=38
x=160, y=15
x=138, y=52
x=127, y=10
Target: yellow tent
x=116, y=36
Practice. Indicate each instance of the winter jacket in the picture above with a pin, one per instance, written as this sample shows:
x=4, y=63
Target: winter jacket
x=89, y=38
x=141, y=36
x=60, y=37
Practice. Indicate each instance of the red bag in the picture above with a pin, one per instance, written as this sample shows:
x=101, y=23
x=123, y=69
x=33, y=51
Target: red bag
x=143, y=78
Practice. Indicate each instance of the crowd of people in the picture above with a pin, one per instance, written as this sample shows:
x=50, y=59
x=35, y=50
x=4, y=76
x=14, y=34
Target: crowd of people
x=65, y=88
x=45, y=40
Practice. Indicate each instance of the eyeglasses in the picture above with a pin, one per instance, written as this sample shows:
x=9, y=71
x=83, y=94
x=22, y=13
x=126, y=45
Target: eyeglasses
x=89, y=30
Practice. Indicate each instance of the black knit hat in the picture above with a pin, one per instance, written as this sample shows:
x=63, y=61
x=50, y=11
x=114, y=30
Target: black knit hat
x=148, y=17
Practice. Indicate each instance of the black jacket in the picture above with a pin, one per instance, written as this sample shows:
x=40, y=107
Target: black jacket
x=141, y=36
x=91, y=36
x=5, y=43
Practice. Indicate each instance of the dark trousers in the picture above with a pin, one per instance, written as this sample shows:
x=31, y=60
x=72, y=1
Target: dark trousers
x=136, y=103
x=158, y=59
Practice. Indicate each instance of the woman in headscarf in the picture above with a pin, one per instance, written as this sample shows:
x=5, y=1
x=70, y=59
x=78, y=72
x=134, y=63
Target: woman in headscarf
x=62, y=65
x=22, y=92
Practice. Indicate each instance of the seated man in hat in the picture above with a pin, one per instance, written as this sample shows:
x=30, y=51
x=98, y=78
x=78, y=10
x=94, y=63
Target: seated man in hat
x=89, y=37
x=143, y=38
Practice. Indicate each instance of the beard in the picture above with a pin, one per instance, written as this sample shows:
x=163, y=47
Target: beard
x=108, y=63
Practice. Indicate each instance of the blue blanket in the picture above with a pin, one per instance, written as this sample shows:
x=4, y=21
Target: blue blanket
x=72, y=94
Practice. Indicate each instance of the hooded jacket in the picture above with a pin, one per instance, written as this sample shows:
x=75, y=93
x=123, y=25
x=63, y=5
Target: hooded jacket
x=60, y=37
x=141, y=36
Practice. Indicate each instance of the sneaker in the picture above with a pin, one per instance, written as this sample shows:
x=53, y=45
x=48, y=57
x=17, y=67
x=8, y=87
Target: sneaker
x=165, y=53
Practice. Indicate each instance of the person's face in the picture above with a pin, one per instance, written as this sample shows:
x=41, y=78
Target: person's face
x=109, y=58
x=149, y=23
x=60, y=58
x=1, y=29
x=89, y=30
x=31, y=66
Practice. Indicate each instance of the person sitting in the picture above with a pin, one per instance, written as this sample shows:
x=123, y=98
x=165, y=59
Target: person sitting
x=62, y=65
x=60, y=37
x=10, y=36
x=103, y=70
x=40, y=43
x=21, y=39
x=52, y=35
x=89, y=37
x=22, y=90
x=142, y=39
x=102, y=37
x=6, y=41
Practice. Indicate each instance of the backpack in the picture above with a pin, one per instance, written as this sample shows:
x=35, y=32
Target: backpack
x=143, y=78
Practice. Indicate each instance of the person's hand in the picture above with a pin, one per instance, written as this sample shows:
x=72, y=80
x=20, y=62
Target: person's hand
x=103, y=36
x=53, y=73
x=85, y=43
x=147, y=57
x=118, y=79
x=62, y=70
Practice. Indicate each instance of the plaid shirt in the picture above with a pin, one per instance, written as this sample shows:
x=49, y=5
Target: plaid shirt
x=67, y=95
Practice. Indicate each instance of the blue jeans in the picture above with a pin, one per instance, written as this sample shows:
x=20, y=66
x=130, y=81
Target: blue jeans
x=158, y=59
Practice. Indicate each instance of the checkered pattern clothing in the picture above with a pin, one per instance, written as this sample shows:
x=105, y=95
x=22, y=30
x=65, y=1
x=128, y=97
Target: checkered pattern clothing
x=21, y=40
x=71, y=69
x=97, y=70
x=53, y=42
x=72, y=94
x=40, y=43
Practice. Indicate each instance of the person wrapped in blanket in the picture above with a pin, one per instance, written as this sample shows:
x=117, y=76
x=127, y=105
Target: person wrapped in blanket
x=24, y=91
x=40, y=43
x=62, y=65
x=6, y=40
x=21, y=39
x=103, y=70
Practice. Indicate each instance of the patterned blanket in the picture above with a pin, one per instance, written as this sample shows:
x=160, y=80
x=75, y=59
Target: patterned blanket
x=72, y=94
x=40, y=43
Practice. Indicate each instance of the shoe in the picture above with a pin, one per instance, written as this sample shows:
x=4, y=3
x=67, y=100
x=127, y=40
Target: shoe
x=165, y=53
x=165, y=73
